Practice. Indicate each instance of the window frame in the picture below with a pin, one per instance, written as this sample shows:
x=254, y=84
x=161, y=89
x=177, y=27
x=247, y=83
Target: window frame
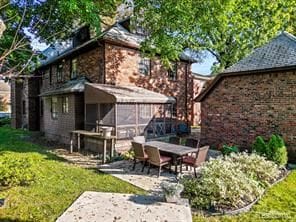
x=65, y=105
x=173, y=72
x=54, y=108
x=143, y=62
x=74, y=75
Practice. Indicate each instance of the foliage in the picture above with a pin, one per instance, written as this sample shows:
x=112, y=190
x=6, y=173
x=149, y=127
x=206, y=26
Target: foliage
x=18, y=170
x=228, y=149
x=229, y=29
x=274, y=150
x=230, y=182
x=47, y=21
x=277, y=204
x=52, y=194
x=128, y=155
x=256, y=167
x=4, y=121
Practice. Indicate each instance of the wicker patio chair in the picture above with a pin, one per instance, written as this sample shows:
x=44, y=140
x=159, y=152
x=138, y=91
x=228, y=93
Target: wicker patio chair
x=174, y=140
x=154, y=158
x=195, y=161
x=140, y=154
x=139, y=139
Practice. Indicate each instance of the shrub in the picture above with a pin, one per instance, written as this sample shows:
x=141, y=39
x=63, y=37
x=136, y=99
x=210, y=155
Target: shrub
x=230, y=182
x=128, y=155
x=256, y=167
x=4, y=121
x=17, y=170
x=228, y=149
x=274, y=150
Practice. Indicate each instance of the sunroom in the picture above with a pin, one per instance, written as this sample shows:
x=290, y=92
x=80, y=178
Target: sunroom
x=129, y=110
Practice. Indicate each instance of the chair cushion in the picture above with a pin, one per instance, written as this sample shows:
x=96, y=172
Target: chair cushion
x=188, y=160
x=164, y=159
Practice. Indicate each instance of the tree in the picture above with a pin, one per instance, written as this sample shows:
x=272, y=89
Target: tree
x=46, y=20
x=228, y=29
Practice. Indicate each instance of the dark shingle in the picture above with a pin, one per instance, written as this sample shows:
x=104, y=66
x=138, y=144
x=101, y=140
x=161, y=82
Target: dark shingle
x=279, y=52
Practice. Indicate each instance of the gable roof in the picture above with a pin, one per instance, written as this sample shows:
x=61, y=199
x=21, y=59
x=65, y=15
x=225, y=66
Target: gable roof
x=279, y=52
x=277, y=55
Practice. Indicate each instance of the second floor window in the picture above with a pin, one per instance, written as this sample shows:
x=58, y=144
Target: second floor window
x=73, y=68
x=172, y=72
x=65, y=104
x=54, y=107
x=145, y=66
x=59, y=72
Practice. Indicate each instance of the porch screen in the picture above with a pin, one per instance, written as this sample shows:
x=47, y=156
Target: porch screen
x=91, y=112
x=107, y=114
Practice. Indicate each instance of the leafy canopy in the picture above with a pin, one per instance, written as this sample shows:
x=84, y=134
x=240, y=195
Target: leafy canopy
x=229, y=29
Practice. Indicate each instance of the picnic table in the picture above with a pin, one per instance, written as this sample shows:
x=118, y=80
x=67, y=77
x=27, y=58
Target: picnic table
x=174, y=150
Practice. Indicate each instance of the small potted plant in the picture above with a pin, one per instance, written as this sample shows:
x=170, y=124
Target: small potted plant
x=172, y=191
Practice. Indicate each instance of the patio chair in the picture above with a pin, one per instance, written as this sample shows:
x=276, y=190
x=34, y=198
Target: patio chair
x=195, y=161
x=140, y=154
x=192, y=143
x=139, y=139
x=174, y=140
x=154, y=158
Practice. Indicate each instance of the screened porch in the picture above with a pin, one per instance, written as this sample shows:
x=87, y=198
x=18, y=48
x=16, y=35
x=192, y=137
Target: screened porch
x=129, y=110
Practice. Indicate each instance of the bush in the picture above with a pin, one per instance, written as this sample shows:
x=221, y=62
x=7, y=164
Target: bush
x=228, y=149
x=230, y=182
x=4, y=121
x=17, y=170
x=128, y=155
x=274, y=150
x=256, y=167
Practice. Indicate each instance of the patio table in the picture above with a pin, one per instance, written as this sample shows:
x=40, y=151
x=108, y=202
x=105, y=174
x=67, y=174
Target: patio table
x=173, y=149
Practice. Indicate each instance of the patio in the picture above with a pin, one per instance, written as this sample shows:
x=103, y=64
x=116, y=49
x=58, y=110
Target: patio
x=149, y=182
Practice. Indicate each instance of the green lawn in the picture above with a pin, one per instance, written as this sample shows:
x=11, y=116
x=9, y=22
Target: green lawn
x=59, y=186
x=62, y=183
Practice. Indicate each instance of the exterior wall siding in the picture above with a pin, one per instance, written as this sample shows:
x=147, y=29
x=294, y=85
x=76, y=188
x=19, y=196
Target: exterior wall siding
x=122, y=68
x=239, y=108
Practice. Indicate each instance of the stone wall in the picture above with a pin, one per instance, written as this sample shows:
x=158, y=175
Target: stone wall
x=239, y=108
x=122, y=68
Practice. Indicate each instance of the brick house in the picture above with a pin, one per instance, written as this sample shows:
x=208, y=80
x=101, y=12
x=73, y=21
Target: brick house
x=199, y=82
x=256, y=96
x=52, y=99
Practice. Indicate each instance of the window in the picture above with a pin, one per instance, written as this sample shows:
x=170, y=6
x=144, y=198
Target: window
x=174, y=109
x=54, y=107
x=145, y=66
x=24, y=107
x=65, y=104
x=59, y=72
x=73, y=68
x=172, y=72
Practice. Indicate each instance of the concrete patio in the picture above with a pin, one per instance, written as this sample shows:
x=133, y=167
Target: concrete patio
x=111, y=207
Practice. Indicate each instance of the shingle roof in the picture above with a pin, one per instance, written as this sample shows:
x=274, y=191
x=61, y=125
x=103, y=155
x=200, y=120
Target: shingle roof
x=126, y=94
x=72, y=86
x=279, y=52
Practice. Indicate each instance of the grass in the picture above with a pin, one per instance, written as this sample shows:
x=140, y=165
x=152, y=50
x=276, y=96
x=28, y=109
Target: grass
x=60, y=184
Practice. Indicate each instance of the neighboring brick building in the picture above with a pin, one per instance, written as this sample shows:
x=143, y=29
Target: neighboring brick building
x=254, y=97
x=113, y=58
x=4, y=96
x=199, y=82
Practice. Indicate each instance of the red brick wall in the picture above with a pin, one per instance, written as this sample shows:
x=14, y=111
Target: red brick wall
x=239, y=108
x=122, y=69
x=197, y=87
